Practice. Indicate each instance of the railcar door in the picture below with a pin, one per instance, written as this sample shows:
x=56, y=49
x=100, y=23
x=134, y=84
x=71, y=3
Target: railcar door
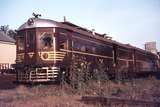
x=30, y=47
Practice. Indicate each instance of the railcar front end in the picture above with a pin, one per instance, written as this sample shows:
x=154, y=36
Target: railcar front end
x=38, y=57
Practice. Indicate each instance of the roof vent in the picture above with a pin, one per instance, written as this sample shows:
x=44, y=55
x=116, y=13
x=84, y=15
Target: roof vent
x=107, y=37
x=64, y=18
x=93, y=31
x=110, y=38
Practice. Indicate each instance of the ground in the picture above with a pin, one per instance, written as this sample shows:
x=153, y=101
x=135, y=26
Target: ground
x=20, y=95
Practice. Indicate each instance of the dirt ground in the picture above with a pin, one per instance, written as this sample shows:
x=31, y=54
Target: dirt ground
x=6, y=81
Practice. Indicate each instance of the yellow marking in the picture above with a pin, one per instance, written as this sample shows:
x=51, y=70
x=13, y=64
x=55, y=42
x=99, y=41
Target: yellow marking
x=53, y=56
x=125, y=59
x=52, y=59
x=31, y=54
x=62, y=33
x=42, y=34
x=84, y=53
x=51, y=52
x=58, y=54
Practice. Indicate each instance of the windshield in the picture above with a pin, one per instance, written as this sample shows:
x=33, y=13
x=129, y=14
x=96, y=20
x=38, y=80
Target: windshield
x=31, y=39
x=21, y=41
x=46, y=41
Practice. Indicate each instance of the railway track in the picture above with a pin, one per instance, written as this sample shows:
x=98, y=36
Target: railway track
x=117, y=102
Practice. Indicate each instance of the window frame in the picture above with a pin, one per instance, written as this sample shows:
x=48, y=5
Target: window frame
x=31, y=42
x=42, y=36
x=21, y=34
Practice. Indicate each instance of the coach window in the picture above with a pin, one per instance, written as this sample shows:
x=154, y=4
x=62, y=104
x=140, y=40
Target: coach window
x=46, y=41
x=76, y=46
x=21, y=41
x=63, y=45
x=31, y=39
x=63, y=42
x=88, y=48
x=83, y=48
x=108, y=50
x=123, y=53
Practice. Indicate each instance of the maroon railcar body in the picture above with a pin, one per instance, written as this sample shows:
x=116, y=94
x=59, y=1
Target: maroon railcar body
x=46, y=49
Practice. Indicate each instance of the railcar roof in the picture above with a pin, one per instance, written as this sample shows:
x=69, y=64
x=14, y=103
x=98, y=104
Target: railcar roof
x=38, y=22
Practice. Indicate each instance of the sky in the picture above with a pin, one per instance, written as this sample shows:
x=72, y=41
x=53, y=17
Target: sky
x=126, y=21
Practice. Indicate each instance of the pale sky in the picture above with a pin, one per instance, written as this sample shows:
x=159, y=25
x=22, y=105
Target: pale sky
x=127, y=21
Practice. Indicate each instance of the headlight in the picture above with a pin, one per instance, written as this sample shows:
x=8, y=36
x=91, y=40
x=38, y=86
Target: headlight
x=45, y=55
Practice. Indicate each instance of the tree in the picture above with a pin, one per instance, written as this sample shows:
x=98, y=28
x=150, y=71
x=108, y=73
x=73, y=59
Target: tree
x=4, y=28
x=12, y=33
x=9, y=32
x=80, y=73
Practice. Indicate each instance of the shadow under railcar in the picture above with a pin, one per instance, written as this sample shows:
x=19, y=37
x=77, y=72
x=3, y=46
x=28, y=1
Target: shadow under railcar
x=6, y=81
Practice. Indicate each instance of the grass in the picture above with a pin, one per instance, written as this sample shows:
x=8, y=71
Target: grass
x=66, y=96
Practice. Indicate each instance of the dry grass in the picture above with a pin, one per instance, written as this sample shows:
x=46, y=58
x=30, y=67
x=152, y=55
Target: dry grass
x=57, y=96
x=39, y=96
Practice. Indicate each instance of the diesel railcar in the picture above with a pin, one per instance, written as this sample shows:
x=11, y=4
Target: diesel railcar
x=46, y=49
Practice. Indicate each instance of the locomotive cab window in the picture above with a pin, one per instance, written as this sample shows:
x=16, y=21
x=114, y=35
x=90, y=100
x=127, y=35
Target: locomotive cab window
x=63, y=45
x=21, y=41
x=31, y=39
x=63, y=42
x=46, y=41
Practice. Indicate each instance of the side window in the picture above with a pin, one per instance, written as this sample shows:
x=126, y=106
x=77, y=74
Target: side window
x=63, y=42
x=123, y=53
x=76, y=46
x=46, y=41
x=83, y=48
x=31, y=39
x=108, y=50
x=90, y=48
x=21, y=41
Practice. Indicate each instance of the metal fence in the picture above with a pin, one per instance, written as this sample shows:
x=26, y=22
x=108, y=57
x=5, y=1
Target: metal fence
x=4, y=66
